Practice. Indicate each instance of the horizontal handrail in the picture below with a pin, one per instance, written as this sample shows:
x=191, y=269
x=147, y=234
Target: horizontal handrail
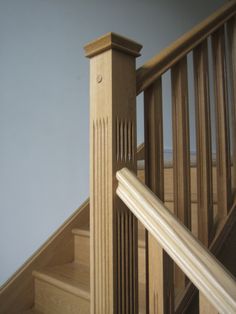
x=159, y=64
x=202, y=268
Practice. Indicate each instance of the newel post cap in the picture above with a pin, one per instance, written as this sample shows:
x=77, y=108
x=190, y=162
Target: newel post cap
x=112, y=41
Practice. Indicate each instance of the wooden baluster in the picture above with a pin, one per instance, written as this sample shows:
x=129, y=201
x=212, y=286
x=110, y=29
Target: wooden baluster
x=181, y=155
x=203, y=132
x=113, y=143
x=160, y=266
x=222, y=124
x=205, y=307
x=231, y=27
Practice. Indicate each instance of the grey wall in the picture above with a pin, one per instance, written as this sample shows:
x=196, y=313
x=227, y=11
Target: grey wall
x=44, y=104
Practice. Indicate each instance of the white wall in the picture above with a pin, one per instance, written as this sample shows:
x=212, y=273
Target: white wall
x=44, y=104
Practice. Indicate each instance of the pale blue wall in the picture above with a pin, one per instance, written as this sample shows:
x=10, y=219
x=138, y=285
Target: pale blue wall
x=44, y=104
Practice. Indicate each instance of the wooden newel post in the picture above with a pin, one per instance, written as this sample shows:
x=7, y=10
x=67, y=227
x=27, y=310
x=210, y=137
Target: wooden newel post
x=114, y=275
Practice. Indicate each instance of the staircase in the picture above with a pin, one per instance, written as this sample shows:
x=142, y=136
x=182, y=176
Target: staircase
x=62, y=289
x=65, y=288
x=148, y=245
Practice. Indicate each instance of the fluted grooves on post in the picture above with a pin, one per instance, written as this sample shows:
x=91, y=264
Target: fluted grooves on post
x=100, y=215
x=127, y=255
x=126, y=224
x=124, y=140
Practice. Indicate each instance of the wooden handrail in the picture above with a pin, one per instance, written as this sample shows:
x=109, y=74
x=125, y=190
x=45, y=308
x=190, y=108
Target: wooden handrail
x=202, y=268
x=222, y=233
x=159, y=64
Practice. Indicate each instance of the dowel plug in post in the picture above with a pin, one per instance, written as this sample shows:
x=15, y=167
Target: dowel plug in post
x=114, y=249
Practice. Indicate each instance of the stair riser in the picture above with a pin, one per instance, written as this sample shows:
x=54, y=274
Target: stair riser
x=82, y=248
x=82, y=254
x=50, y=299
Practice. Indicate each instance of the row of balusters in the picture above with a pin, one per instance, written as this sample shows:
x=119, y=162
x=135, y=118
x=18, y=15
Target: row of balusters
x=214, y=66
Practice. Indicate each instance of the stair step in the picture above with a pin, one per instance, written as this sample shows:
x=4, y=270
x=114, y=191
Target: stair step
x=63, y=289
x=71, y=277
x=81, y=232
x=81, y=246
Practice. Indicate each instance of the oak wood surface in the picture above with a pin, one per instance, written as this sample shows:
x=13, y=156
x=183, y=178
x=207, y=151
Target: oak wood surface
x=181, y=153
x=160, y=267
x=205, y=307
x=221, y=236
x=51, y=299
x=222, y=124
x=71, y=277
x=231, y=32
x=81, y=245
x=113, y=41
x=204, y=154
x=203, y=269
x=114, y=249
x=82, y=255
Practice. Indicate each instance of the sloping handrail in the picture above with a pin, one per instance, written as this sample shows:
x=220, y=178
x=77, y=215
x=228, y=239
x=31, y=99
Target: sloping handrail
x=160, y=63
x=202, y=268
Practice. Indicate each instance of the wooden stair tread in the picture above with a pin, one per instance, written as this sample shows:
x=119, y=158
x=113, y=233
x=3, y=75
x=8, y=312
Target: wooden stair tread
x=71, y=277
x=81, y=232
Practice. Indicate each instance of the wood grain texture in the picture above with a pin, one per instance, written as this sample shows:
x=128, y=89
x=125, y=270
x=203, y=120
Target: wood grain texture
x=160, y=63
x=181, y=153
x=113, y=228
x=202, y=268
x=70, y=277
x=205, y=307
x=18, y=293
x=168, y=182
x=160, y=267
x=81, y=246
x=51, y=299
x=169, y=198
x=112, y=41
x=222, y=124
x=204, y=154
x=153, y=127
x=231, y=30
x=221, y=236
x=83, y=253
